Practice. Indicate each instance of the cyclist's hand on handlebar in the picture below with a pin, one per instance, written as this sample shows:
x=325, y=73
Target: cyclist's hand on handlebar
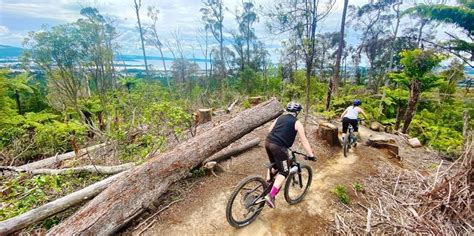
x=312, y=158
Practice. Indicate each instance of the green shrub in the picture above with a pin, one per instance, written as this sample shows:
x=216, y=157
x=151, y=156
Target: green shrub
x=341, y=194
x=246, y=104
x=358, y=187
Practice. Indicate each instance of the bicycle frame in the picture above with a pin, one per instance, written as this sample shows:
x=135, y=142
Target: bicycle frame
x=293, y=163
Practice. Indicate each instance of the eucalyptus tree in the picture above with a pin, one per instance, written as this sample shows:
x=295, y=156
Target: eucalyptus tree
x=97, y=37
x=372, y=20
x=137, y=5
x=300, y=18
x=59, y=53
x=334, y=82
x=245, y=22
x=213, y=17
x=326, y=46
x=152, y=37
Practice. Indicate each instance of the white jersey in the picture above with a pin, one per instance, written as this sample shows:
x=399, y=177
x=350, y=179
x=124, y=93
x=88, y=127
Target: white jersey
x=352, y=112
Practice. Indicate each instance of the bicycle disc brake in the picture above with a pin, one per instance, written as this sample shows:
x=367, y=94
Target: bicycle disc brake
x=249, y=200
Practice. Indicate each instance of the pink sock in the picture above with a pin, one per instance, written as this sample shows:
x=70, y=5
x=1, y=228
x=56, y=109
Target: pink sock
x=274, y=191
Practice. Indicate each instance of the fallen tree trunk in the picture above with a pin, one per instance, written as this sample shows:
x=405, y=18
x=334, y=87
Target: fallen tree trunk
x=226, y=154
x=108, y=170
x=58, y=158
x=24, y=220
x=126, y=197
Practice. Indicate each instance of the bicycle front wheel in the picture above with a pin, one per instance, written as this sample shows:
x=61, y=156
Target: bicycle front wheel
x=297, y=185
x=246, y=202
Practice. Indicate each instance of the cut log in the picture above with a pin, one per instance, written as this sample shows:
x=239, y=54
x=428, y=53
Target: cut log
x=205, y=115
x=229, y=109
x=58, y=158
x=226, y=154
x=107, y=170
x=24, y=220
x=255, y=100
x=329, y=133
x=125, y=198
x=414, y=143
x=386, y=143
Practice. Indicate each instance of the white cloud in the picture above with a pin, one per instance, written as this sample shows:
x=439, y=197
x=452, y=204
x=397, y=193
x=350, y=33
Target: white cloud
x=4, y=30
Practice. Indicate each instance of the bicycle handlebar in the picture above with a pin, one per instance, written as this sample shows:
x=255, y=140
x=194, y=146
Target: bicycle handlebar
x=306, y=157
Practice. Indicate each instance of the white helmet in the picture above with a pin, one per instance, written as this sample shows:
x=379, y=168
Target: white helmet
x=294, y=107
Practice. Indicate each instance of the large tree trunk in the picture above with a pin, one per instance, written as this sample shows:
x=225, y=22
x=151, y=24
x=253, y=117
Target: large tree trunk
x=392, y=51
x=415, y=92
x=226, y=154
x=335, y=78
x=24, y=220
x=137, y=11
x=126, y=197
x=398, y=117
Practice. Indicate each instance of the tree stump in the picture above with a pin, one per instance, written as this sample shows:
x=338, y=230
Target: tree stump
x=205, y=115
x=328, y=132
x=386, y=143
x=255, y=100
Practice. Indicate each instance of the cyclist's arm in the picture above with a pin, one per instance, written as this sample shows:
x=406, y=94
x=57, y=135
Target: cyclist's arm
x=363, y=113
x=299, y=127
x=344, y=113
x=273, y=125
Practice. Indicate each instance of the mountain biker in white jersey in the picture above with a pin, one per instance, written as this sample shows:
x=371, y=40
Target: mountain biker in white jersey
x=350, y=115
x=281, y=137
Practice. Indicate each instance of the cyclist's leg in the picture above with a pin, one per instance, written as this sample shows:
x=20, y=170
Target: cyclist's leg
x=271, y=159
x=355, y=124
x=280, y=155
x=345, y=126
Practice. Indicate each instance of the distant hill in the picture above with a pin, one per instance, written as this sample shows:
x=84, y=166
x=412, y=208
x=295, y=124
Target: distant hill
x=10, y=52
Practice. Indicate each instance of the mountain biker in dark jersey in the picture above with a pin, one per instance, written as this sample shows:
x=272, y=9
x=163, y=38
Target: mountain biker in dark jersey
x=350, y=115
x=281, y=137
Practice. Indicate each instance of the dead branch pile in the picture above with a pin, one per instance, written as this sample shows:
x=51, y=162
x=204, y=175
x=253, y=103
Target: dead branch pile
x=408, y=202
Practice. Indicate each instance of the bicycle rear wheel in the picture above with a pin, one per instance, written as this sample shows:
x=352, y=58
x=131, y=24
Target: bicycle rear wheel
x=297, y=185
x=345, y=145
x=242, y=208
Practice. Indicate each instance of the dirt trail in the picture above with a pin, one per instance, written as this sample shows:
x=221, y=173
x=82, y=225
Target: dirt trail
x=203, y=209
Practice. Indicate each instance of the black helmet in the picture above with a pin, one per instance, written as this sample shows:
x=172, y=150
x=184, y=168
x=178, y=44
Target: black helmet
x=294, y=107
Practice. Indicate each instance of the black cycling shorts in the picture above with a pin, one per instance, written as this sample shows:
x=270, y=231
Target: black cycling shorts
x=345, y=124
x=278, y=155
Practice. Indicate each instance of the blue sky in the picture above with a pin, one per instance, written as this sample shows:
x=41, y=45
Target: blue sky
x=18, y=17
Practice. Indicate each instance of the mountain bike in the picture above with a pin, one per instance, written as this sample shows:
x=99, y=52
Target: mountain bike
x=248, y=199
x=350, y=139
